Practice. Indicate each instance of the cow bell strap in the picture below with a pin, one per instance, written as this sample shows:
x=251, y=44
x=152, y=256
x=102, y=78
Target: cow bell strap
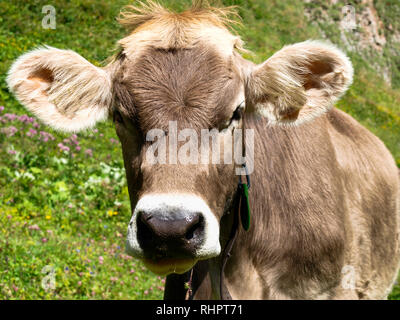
x=241, y=212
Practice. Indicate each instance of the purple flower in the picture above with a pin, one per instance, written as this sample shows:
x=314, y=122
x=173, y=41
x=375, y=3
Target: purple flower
x=112, y=140
x=89, y=152
x=1, y=108
x=12, y=152
x=74, y=139
x=10, y=116
x=45, y=136
x=9, y=131
x=31, y=132
x=23, y=118
x=62, y=147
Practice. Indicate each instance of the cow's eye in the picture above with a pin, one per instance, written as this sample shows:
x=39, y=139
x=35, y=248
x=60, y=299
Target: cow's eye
x=118, y=117
x=237, y=114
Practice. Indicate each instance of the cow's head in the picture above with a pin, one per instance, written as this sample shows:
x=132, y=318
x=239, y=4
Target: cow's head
x=183, y=69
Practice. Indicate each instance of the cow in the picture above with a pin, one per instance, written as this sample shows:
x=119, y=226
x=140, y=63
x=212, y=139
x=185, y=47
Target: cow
x=324, y=199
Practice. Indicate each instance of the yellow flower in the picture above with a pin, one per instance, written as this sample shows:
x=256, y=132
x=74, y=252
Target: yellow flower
x=48, y=217
x=110, y=213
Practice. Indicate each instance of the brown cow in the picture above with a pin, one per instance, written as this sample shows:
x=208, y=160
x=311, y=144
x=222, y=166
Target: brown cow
x=325, y=199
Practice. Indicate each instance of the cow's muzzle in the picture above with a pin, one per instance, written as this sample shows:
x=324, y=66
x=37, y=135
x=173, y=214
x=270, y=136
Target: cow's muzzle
x=171, y=232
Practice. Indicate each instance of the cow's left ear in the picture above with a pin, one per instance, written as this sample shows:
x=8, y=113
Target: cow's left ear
x=299, y=82
x=61, y=88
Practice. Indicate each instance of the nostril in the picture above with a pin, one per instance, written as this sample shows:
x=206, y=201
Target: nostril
x=144, y=229
x=144, y=216
x=196, y=228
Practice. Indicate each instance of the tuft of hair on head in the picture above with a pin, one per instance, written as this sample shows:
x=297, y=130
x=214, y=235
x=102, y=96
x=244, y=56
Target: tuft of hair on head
x=133, y=16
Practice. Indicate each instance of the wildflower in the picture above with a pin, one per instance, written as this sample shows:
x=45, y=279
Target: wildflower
x=44, y=240
x=15, y=288
x=132, y=271
x=45, y=136
x=101, y=259
x=146, y=292
x=136, y=278
x=12, y=152
x=48, y=217
x=10, y=116
x=89, y=152
x=9, y=131
x=114, y=279
x=31, y=132
x=50, y=232
x=34, y=227
x=78, y=148
x=79, y=283
x=25, y=119
x=1, y=108
x=77, y=250
x=63, y=147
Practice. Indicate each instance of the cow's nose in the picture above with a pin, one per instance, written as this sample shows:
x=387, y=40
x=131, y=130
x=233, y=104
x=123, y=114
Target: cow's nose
x=176, y=234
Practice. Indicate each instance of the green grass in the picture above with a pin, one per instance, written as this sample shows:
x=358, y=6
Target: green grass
x=69, y=210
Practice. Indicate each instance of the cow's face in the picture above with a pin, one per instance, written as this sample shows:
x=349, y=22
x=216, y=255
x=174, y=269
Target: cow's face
x=171, y=81
x=179, y=199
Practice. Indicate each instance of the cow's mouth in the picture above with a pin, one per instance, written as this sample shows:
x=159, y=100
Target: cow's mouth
x=169, y=265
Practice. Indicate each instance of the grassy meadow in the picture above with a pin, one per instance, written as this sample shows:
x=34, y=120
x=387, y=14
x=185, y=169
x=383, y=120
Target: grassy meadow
x=64, y=204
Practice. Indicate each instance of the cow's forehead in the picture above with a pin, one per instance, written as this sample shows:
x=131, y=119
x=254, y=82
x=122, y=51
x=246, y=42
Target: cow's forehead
x=179, y=34
x=195, y=86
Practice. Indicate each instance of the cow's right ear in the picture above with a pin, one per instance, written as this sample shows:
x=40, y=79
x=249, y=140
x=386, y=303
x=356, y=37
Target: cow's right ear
x=61, y=88
x=299, y=82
